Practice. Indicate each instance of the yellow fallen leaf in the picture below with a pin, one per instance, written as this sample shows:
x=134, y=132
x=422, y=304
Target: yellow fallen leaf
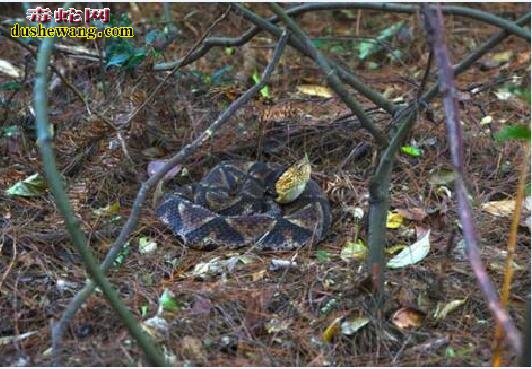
x=502, y=208
x=392, y=250
x=332, y=330
x=486, y=120
x=503, y=57
x=448, y=308
x=393, y=220
x=354, y=251
x=500, y=266
x=441, y=177
x=257, y=276
x=315, y=90
x=110, y=209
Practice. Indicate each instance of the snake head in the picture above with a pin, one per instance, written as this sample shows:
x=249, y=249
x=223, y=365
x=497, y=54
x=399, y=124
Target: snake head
x=293, y=181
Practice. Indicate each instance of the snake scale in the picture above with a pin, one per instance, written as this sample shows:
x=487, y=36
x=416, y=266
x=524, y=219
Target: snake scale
x=233, y=206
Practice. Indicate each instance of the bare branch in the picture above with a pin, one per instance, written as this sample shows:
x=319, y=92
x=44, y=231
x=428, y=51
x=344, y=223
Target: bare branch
x=177, y=66
x=79, y=240
x=330, y=75
x=379, y=183
x=476, y=14
x=478, y=53
x=263, y=24
x=435, y=37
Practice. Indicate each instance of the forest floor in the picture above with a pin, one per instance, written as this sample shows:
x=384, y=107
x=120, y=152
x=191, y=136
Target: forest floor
x=243, y=312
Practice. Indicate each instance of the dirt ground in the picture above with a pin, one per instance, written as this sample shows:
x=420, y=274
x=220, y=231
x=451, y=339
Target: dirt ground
x=251, y=315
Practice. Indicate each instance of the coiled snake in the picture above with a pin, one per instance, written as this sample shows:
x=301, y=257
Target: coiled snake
x=234, y=206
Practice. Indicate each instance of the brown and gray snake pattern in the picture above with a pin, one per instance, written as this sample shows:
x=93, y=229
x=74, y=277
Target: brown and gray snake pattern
x=233, y=206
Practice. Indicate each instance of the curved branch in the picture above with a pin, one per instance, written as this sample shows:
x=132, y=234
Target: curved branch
x=477, y=54
x=330, y=75
x=263, y=24
x=476, y=14
x=507, y=25
x=379, y=182
x=435, y=38
x=53, y=178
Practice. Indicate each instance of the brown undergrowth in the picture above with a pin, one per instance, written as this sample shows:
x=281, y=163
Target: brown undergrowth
x=253, y=316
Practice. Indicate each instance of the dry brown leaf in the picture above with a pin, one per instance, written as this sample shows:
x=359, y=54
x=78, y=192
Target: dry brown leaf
x=192, y=348
x=408, y=317
x=413, y=213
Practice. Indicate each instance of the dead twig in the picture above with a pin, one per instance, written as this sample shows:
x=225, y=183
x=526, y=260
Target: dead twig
x=331, y=76
x=510, y=247
x=177, y=66
x=263, y=24
x=476, y=14
x=379, y=182
x=55, y=184
x=13, y=258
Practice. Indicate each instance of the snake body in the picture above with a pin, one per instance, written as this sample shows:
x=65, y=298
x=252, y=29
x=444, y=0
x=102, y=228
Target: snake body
x=233, y=206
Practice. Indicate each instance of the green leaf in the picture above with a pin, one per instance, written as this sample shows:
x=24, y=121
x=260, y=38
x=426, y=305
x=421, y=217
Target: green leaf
x=119, y=20
x=10, y=86
x=136, y=58
x=33, y=185
x=318, y=42
x=144, y=310
x=395, y=55
x=229, y=50
x=152, y=36
x=337, y=49
x=366, y=48
x=168, y=302
x=450, y=353
x=265, y=91
x=9, y=131
x=411, y=151
x=256, y=77
x=522, y=93
x=370, y=47
x=322, y=256
x=121, y=257
x=390, y=31
x=513, y=132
